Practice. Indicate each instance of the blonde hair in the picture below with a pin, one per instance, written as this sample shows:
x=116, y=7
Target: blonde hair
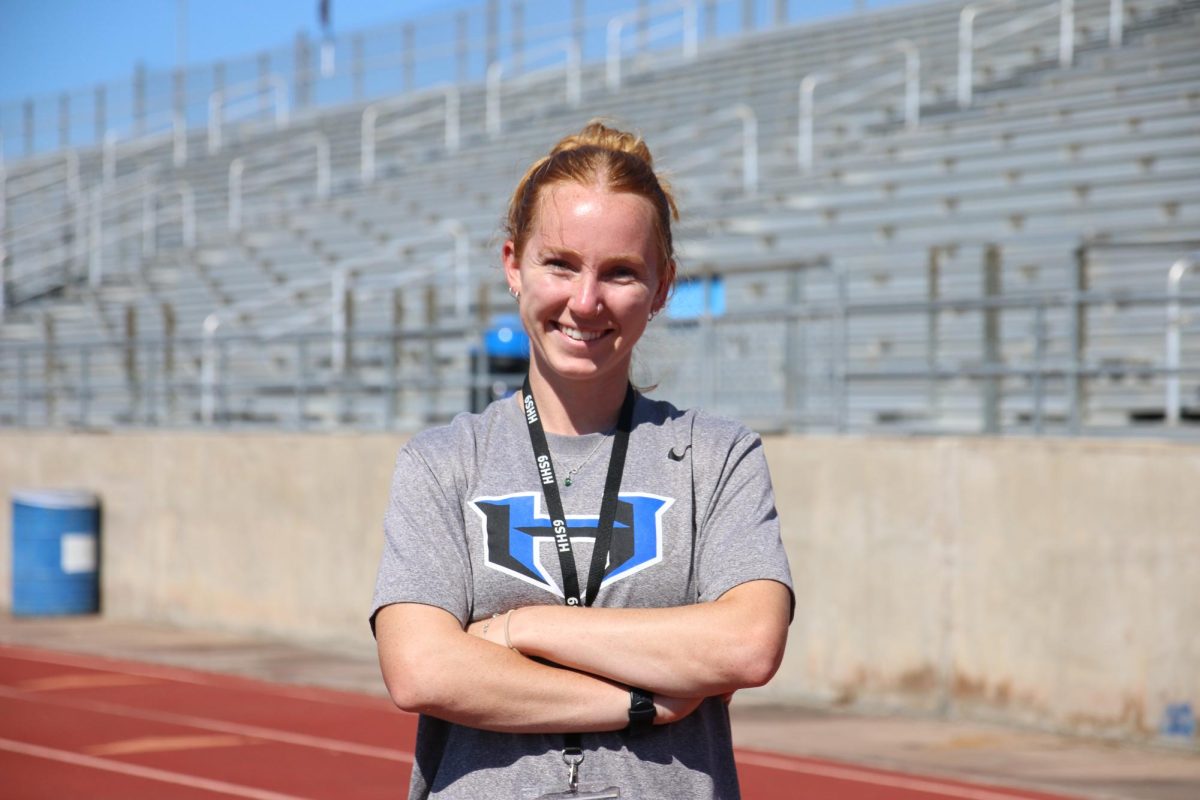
x=597, y=155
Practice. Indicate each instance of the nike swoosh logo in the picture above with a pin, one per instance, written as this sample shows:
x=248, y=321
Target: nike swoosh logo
x=671, y=454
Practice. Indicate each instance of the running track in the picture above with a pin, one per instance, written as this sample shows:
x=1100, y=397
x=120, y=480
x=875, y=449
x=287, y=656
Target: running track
x=81, y=726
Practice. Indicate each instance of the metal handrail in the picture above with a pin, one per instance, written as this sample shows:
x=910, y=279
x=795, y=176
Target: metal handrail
x=70, y=176
x=138, y=188
x=808, y=88
x=143, y=142
x=85, y=217
x=1174, y=335
x=237, y=168
x=739, y=112
x=212, y=323
x=495, y=72
x=689, y=24
x=370, y=135
x=340, y=283
x=966, y=47
x=218, y=99
x=833, y=310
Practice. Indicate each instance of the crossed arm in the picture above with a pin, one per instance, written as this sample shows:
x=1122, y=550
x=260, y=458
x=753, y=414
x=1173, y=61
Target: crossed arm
x=682, y=655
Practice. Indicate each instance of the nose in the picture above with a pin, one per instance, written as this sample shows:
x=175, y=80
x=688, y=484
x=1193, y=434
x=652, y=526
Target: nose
x=585, y=295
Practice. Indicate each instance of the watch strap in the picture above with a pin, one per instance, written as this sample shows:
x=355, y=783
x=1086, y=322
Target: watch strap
x=641, y=711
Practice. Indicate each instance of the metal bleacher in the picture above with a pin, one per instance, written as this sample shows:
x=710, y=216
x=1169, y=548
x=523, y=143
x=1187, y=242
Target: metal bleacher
x=998, y=265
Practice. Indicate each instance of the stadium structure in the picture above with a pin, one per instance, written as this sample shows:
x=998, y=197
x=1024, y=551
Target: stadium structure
x=231, y=292
x=929, y=218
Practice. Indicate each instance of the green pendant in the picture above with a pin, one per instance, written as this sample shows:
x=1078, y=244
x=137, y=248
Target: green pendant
x=567, y=482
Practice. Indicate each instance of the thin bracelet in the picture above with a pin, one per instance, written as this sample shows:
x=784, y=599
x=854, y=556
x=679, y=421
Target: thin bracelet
x=507, y=641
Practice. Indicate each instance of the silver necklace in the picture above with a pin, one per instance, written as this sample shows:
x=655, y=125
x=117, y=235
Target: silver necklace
x=571, y=472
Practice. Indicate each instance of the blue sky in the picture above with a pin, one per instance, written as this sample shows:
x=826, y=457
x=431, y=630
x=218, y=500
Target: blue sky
x=47, y=46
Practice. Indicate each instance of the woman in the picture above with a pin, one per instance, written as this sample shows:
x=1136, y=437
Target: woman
x=562, y=625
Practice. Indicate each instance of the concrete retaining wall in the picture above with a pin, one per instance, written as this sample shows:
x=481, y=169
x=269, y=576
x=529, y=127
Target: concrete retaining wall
x=1052, y=582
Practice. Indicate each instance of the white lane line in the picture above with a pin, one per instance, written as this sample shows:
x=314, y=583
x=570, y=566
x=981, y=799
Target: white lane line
x=220, y=726
x=875, y=778
x=101, y=663
x=149, y=773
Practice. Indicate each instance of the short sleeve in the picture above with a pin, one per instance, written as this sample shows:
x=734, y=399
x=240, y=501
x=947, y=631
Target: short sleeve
x=739, y=536
x=425, y=558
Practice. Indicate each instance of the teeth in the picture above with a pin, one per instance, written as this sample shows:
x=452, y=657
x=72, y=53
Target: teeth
x=580, y=336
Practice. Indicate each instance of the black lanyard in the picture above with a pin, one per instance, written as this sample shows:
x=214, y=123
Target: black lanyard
x=608, y=503
x=573, y=742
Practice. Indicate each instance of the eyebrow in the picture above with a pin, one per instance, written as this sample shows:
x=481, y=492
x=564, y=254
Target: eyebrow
x=621, y=258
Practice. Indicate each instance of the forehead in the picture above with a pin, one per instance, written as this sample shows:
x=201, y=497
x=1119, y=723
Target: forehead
x=570, y=214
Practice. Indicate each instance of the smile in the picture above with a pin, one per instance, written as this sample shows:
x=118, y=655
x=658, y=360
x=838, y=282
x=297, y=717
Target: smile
x=578, y=335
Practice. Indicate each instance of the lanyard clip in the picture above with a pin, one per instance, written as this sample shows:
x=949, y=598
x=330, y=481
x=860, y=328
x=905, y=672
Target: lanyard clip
x=572, y=757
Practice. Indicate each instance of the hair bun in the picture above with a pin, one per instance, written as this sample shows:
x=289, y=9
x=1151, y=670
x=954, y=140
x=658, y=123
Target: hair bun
x=597, y=134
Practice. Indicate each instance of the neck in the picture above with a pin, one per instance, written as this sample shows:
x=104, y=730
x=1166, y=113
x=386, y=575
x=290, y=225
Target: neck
x=576, y=407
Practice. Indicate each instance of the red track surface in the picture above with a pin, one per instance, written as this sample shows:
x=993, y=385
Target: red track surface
x=80, y=726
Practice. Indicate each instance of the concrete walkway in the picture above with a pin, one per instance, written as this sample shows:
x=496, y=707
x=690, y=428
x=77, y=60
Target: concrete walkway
x=953, y=749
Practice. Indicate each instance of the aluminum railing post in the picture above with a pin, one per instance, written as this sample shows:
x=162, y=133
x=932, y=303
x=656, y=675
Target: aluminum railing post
x=301, y=381
x=100, y=103
x=95, y=239
x=28, y=120
x=691, y=29
x=495, y=71
x=749, y=148
x=208, y=369
x=215, y=102
x=366, y=168
x=804, y=140
x=1039, y=374
x=1174, y=338
x=85, y=384
x=236, y=168
x=282, y=110
x=462, y=275
x=149, y=221
x=1116, y=22
x=463, y=56
x=179, y=152
x=1066, y=33
x=841, y=364
x=612, y=67
x=912, y=84
x=64, y=120
x=574, y=74
x=139, y=98
x=339, y=318
x=187, y=211
x=1077, y=338
x=992, y=354
x=323, y=170
x=453, y=106
x=966, y=79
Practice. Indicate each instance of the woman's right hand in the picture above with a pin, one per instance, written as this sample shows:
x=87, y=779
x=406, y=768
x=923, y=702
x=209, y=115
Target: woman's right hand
x=673, y=709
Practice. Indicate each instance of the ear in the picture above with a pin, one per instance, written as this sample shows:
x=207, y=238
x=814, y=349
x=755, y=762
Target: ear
x=512, y=267
x=664, y=287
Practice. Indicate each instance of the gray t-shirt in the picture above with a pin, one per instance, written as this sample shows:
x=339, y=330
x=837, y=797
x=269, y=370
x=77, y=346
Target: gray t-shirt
x=467, y=531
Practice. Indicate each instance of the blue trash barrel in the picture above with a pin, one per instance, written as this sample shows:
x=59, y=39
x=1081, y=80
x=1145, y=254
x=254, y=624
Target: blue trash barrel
x=56, y=552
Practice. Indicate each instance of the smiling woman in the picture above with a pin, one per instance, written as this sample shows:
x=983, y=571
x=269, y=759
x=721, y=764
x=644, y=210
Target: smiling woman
x=582, y=638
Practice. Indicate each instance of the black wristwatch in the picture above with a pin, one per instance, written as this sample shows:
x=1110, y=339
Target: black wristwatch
x=641, y=711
